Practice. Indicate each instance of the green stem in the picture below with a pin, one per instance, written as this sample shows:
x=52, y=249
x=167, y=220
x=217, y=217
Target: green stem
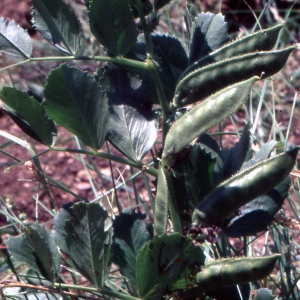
x=103, y=291
x=173, y=208
x=161, y=96
x=121, y=160
x=147, y=34
x=115, y=60
x=152, y=68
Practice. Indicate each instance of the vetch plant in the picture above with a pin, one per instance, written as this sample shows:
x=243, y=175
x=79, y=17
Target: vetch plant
x=202, y=192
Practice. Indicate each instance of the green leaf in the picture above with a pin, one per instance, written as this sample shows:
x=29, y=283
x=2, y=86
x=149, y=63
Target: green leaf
x=58, y=25
x=263, y=153
x=132, y=124
x=147, y=8
x=161, y=202
x=29, y=115
x=209, y=32
x=160, y=3
x=195, y=176
x=83, y=235
x=36, y=248
x=113, y=25
x=237, y=154
x=75, y=101
x=189, y=16
x=131, y=233
x=166, y=263
x=124, y=87
x=14, y=40
x=130, y=131
x=167, y=72
x=172, y=49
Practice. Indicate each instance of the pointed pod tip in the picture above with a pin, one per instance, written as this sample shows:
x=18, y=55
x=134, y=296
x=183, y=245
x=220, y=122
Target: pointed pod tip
x=293, y=152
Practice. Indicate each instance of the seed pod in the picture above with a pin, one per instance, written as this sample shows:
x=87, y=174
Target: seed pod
x=244, y=187
x=227, y=272
x=203, y=82
x=205, y=115
x=263, y=40
x=231, y=271
x=161, y=203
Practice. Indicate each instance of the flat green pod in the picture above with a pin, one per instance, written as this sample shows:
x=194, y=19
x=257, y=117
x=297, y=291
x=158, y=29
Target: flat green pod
x=161, y=203
x=232, y=271
x=205, y=81
x=243, y=187
x=263, y=40
x=205, y=115
x=226, y=272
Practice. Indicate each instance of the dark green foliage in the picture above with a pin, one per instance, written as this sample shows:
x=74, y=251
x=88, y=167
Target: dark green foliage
x=198, y=173
x=236, y=156
x=166, y=263
x=143, y=84
x=170, y=58
x=131, y=232
x=83, y=234
x=147, y=8
x=36, y=248
x=172, y=49
x=29, y=115
x=113, y=26
x=58, y=24
x=208, y=32
x=132, y=126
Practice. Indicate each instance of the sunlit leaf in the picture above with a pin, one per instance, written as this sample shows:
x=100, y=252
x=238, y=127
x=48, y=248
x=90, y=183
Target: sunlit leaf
x=132, y=126
x=14, y=40
x=208, y=32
